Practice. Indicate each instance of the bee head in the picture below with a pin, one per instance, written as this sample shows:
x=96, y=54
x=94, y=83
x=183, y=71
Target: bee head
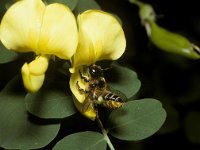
x=95, y=71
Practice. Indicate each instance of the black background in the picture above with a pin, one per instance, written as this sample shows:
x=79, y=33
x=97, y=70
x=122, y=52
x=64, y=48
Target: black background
x=164, y=76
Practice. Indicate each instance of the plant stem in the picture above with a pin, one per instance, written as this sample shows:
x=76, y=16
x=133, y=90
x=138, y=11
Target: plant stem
x=104, y=132
x=136, y=2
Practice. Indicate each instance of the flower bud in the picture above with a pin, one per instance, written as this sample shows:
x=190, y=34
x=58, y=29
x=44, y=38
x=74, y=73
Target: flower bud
x=172, y=42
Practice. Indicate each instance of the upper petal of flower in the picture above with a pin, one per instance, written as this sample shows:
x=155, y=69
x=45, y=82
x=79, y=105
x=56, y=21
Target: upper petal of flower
x=29, y=25
x=20, y=26
x=100, y=37
x=59, y=35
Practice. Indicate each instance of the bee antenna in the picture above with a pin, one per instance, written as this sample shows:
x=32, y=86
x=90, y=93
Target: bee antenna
x=107, y=68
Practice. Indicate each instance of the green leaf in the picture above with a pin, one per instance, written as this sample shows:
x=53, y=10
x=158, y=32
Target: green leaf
x=70, y=3
x=4, y=5
x=9, y=3
x=84, y=5
x=191, y=125
x=64, y=67
x=137, y=120
x=82, y=140
x=50, y=102
x=123, y=80
x=6, y=55
x=172, y=122
x=17, y=129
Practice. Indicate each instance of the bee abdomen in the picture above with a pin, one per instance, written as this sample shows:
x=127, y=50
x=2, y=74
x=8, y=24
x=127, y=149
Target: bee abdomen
x=112, y=97
x=112, y=101
x=112, y=104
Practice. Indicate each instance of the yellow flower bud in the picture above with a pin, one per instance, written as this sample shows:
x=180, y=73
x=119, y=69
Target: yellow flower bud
x=172, y=42
x=33, y=74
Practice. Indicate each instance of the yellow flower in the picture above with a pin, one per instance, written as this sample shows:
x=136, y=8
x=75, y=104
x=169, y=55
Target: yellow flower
x=79, y=99
x=31, y=26
x=100, y=37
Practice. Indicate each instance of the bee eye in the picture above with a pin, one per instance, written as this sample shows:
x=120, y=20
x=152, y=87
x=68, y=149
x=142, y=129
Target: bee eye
x=95, y=71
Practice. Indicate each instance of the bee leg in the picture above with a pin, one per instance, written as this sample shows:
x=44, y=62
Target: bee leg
x=82, y=77
x=87, y=103
x=96, y=102
x=90, y=103
x=96, y=110
x=82, y=91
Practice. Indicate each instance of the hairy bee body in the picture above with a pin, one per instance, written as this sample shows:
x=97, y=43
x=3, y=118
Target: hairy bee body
x=106, y=98
x=112, y=100
x=98, y=91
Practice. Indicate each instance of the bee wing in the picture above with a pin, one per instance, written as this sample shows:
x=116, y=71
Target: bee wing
x=117, y=92
x=87, y=103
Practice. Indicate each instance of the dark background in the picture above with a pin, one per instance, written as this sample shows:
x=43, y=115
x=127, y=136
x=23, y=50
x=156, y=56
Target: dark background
x=172, y=79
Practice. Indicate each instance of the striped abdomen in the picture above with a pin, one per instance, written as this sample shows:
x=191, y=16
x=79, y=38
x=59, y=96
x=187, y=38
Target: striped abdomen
x=112, y=100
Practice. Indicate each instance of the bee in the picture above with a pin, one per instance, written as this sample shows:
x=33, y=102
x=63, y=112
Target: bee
x=97, y=90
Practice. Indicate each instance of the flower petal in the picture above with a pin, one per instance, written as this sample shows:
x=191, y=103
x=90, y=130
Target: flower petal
x=75, y=77
x=80, y=98
x=39, y=65
x=33, y=74
x=100, y=37
x=89, y=113
x=20, y=26
x=29, y=25
x=59, y=35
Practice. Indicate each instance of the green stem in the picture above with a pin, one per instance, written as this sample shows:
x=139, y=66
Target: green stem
x=136, y=2
x=146, y=11
x=104, y=132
